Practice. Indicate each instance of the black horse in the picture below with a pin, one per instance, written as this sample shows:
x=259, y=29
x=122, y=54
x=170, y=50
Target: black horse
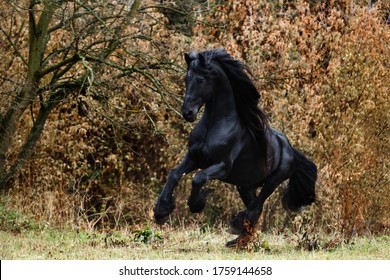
x=234, y=143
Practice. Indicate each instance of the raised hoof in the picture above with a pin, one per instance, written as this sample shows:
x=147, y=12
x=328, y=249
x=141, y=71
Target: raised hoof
x=161, y=220
x=163, y=209
x=198, y=208
x=197, y=204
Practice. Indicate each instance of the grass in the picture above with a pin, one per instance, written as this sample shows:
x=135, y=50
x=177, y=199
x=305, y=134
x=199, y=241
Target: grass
x=23, y=238
x=49, y=243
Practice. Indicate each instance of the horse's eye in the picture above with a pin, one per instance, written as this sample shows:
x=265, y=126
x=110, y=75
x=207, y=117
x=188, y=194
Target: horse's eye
x=201, y=81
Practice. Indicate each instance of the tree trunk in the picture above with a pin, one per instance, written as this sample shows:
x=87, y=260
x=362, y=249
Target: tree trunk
x=37, y=45
x=28, y=147
x=9, y=122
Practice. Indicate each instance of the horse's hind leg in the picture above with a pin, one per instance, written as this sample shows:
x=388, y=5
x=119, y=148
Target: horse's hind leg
x=248, y=196
x=247, y=220
x=252, y=214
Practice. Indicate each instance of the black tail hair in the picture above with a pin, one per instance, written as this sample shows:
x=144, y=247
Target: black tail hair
x=301, y=188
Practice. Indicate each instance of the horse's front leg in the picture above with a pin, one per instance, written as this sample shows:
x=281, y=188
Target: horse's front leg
x=165, y=203
x=197, y=199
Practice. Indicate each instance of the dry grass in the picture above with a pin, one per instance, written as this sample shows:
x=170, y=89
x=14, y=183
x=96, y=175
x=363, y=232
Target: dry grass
x=178, y=243
x=22, y=237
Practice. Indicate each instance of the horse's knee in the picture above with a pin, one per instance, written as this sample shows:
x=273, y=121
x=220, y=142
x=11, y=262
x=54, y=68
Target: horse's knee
x=199, y=180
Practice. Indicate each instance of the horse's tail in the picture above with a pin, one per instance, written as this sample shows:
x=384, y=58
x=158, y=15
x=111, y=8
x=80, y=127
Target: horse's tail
x=301, y=188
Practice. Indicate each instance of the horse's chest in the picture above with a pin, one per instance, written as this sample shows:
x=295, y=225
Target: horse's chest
x=203, y=153
x=207, y=150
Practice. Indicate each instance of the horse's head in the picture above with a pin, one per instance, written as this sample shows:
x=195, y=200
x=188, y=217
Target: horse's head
x=199, y=85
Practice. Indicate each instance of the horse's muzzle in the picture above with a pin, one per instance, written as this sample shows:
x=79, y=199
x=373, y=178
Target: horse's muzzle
x=189, y=115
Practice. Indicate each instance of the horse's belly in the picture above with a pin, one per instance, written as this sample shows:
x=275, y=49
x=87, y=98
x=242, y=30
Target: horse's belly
x=245, y=174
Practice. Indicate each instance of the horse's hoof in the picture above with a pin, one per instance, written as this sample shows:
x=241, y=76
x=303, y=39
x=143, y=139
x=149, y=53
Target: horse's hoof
x=162, y=210
x=231, y=243
x=197, y=206
x=198, y=203
x=234, y=230
x=238, y=223
x=240, y=242
x=161, y=219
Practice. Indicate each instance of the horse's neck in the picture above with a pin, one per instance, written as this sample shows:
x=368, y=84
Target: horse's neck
x=221, y=109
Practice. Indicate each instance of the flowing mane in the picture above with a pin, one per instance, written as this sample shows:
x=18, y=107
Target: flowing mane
x=245, y=93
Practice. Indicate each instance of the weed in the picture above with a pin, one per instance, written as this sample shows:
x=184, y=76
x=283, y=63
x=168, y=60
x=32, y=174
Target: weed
x=147, y=235
x=13, y=221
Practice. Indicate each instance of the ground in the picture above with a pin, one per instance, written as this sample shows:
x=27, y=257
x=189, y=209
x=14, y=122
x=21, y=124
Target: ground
x=177, y=243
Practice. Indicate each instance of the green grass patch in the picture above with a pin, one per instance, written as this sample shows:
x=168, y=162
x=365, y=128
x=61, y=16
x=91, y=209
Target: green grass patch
x=13, y=221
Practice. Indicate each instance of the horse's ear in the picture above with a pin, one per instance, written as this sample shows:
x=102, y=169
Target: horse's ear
x=202, y=59
x=188, y=59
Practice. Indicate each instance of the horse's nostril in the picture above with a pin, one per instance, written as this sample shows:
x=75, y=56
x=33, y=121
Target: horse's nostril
x=186, y=112
x=189, y=115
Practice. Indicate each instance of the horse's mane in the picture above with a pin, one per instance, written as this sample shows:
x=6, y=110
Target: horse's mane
x=245, y=93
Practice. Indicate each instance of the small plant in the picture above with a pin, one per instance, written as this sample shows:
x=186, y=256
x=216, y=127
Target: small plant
x=13, y=221
x=147, y=235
